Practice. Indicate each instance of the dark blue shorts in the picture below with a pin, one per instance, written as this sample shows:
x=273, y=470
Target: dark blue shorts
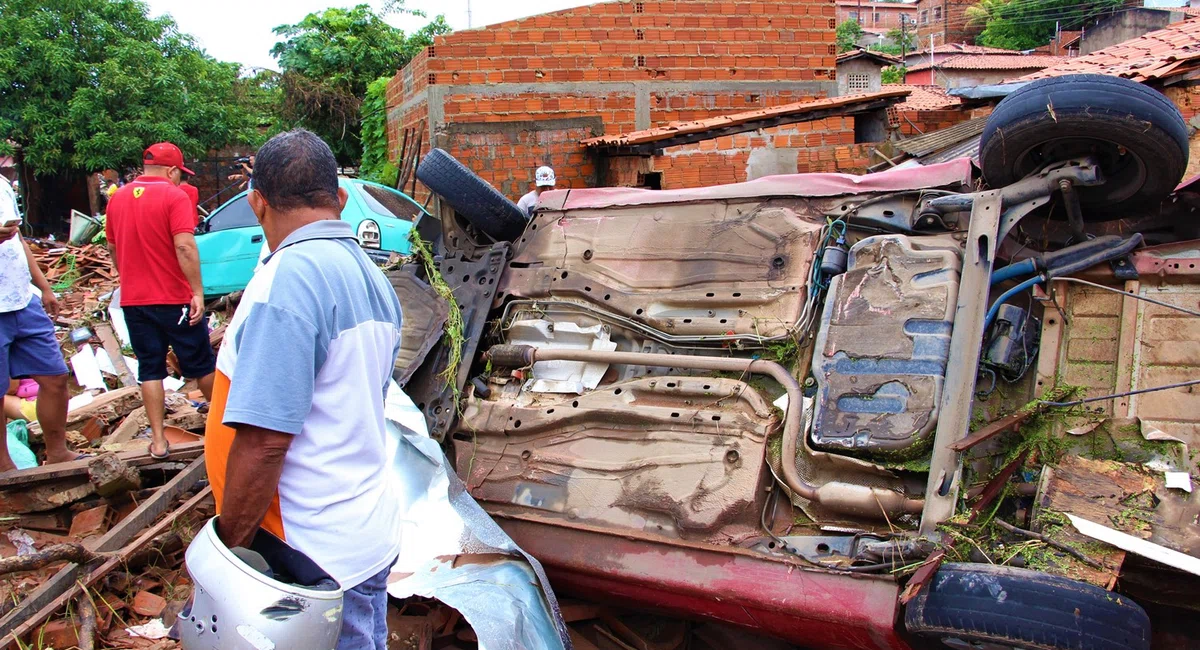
x=154, y=328
x=28, y=347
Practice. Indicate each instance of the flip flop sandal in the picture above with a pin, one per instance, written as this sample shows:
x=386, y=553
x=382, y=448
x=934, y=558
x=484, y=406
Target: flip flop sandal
x=150, y=448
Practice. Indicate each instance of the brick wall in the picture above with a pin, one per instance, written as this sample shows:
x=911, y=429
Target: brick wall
x=1187, y=99
x=825, y=146
x=509, y=97
x=951, y=27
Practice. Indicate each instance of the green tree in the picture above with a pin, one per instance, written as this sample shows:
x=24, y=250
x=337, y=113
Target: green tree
x=375, y=164
x=848, y=34
x=86, y=84
x=893, y=74
x=328, y=59
x=1024, y=25
x=904, y=40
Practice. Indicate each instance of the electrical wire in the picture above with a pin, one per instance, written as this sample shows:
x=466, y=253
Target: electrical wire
x=1182, y=384
x=1131, y=295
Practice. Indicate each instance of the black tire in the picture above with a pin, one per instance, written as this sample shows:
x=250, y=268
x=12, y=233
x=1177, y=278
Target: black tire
x=1138, y=135
x=985, y=606
x=471, y=196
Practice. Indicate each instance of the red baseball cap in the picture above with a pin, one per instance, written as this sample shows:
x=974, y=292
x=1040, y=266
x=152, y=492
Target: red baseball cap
x=165, y=154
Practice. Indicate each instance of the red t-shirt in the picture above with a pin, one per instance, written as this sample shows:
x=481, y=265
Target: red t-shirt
x=194, y=196
x=143, y=219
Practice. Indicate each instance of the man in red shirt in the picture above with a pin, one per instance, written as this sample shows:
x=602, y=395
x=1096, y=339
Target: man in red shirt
x=150, y=229
x=193, y=196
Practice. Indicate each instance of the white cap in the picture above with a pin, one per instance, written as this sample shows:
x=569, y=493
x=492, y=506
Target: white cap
x=545, y=177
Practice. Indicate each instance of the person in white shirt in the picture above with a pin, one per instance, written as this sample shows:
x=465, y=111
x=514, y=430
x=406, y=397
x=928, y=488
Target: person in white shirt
x=543, y=180
x=28, y=347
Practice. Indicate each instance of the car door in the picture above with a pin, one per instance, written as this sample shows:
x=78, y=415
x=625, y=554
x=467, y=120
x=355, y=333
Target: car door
x=229, y=241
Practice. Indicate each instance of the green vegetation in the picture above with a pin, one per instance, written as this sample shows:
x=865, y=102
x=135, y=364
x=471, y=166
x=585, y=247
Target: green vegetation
x=454, y=339
x=328, y=60
x=375, y=165
x=893, y=74
x=848, y=34
x=1024, y=25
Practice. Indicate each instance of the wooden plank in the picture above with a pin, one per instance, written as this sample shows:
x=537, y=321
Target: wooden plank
x=89, y=578
x=52, y=591
x=648, y=148
x=46, y=473
x=113, y=348
x=990, y=430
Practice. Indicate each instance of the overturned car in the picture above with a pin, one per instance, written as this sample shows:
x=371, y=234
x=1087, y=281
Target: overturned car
x=764, y=403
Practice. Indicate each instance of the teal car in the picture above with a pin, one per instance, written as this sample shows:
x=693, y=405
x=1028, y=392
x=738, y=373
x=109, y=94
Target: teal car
x=230, y=239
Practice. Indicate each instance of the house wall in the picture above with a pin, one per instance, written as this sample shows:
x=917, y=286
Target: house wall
x=1130, y=23
x=859, y=66
x=967, y=78
x=1186, y=97
x=877, y=16
x=509, y=97
x=826, y=146
x=951, y=27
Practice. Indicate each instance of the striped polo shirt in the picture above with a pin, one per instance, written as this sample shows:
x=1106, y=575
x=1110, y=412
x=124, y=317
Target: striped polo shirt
x=310, y=352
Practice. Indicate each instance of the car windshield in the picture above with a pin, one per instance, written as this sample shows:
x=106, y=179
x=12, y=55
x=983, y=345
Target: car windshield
x=388, y=203
x=235, y=214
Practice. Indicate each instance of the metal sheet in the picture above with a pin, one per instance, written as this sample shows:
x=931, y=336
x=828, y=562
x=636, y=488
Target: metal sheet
x=421, y=327
x=730, y=268
x=474, y=285
x=883, y=344
x=453, y=551
x=677, y=456
x=954, y=175
x=966, y=342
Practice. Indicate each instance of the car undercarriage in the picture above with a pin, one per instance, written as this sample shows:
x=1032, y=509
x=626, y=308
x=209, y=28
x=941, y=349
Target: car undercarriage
x=752, y=402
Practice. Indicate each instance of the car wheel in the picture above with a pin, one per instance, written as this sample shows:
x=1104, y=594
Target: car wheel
x=987, y=607
x=471, y=196
x=1136, y=133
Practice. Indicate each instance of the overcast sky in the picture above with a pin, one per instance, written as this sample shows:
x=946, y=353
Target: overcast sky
x=240, y=30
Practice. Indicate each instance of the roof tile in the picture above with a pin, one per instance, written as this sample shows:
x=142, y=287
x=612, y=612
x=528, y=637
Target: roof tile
x=1152, y=56
x=993, y=62
x=925, y=98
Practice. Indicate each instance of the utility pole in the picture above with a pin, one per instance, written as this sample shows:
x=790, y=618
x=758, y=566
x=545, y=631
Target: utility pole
x=469, y=25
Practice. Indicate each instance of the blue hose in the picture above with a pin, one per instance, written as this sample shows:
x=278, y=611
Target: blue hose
x=1024, y=286
x=1015, y=270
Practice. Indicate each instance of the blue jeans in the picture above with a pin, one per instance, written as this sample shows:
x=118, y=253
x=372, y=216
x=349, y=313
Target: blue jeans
x=364, y=615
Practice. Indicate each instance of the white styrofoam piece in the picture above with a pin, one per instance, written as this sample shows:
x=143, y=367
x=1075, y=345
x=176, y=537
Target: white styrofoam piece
x=1132, y=544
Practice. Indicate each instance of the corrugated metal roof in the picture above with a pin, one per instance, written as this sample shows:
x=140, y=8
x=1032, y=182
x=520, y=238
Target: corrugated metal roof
x=929, y=143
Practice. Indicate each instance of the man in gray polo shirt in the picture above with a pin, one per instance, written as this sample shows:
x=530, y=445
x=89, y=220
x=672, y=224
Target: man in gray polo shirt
x=296, y=440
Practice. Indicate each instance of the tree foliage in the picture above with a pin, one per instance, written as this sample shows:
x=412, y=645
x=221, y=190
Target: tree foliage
x=904, y=40
x=328, y=60
x=86, y=84
x=893, y=74
x=848, y=34
x=1026, y=24
x=375, y=164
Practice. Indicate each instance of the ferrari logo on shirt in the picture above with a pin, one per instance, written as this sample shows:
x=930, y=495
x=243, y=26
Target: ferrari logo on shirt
x=138, y=191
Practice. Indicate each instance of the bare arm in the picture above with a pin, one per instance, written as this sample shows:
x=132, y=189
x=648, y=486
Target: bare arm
x=49, y=300
x=189, y=261
x=251, y=480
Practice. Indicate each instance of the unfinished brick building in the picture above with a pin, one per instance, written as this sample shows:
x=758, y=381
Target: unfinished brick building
x=508, y=97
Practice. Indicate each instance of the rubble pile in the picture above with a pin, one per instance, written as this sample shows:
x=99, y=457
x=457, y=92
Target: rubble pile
x=91, y=551
x=84, y=277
